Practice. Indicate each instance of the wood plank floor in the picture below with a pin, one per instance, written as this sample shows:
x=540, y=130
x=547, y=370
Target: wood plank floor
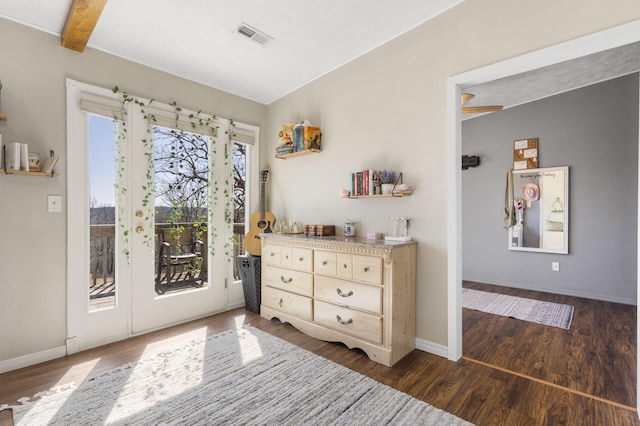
x=586, y=361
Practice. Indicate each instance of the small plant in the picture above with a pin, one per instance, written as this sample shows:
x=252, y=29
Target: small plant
x=387, y=176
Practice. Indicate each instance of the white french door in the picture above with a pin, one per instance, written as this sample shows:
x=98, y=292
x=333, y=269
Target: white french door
x=118, y=284
x=165, y=293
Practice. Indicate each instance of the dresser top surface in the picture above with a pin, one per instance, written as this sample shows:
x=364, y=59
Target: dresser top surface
x=356, y=241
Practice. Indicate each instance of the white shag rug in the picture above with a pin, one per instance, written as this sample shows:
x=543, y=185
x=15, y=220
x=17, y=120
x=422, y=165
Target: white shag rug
x=540, y=312
x=239, y=377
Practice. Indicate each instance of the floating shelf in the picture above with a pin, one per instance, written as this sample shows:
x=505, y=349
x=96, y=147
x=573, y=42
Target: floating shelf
x=397, y=194
x=22, y=172
x=299, y=153
x=3, y=117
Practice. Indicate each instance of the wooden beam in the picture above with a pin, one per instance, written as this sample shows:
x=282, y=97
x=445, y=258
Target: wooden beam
x=81, y=20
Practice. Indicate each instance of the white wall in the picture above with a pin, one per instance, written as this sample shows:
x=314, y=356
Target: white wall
x=33, y=69
x=387, y=110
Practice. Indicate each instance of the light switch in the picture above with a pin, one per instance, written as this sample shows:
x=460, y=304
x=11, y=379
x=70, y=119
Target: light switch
x=54, y=203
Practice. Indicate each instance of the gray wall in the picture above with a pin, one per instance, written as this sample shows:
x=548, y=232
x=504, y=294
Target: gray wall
x=594, y=131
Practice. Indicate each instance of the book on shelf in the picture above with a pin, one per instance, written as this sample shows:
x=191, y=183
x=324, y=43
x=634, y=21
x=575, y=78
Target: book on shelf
x=12, y=156
x=50, y=164
x=24, y=157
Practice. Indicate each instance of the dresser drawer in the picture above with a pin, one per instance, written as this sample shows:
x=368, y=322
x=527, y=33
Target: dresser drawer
x=347, y=293
x=367, y=269
x=289, y=303
x=289, y=280
x=302, y=259
x=271, y=255
x=344, y=266
x=355, y=323
x=324, y=263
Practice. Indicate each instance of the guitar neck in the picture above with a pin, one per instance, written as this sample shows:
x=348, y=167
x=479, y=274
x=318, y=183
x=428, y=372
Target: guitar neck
x=262, y=200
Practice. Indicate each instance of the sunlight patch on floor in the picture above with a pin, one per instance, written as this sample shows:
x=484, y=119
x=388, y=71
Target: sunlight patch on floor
x=78, y=373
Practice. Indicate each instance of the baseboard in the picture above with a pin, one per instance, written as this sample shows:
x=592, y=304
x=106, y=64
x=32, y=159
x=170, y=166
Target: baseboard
x=432, y=348
x=581, y=294
x=32, y=359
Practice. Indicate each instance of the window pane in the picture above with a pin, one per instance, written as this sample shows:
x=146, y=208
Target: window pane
x=102, y=212
x=181, y=202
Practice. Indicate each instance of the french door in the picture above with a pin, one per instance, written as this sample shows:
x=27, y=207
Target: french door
x=146, y=248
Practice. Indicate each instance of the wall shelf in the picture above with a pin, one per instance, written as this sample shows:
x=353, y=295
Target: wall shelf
x=397, y=194
x=22, y=172
x=299, y=153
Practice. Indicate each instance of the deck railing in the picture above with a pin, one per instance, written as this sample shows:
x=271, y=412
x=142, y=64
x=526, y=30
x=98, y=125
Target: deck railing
x=102, y=249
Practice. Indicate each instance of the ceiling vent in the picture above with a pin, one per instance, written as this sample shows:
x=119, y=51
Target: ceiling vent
x=254, y=34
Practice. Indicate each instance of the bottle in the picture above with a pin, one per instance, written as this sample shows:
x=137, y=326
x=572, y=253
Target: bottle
x=349, y=228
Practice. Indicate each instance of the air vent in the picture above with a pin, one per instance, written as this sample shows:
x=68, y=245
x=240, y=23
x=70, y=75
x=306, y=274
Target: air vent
x=254, y=34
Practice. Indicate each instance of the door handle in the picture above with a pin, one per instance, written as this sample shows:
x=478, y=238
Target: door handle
x=139, y=229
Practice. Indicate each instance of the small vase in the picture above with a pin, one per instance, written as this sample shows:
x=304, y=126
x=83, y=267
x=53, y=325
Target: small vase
x=387, y=188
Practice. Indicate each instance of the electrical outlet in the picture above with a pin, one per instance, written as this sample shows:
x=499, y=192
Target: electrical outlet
x=54, y=203
x=555, y=266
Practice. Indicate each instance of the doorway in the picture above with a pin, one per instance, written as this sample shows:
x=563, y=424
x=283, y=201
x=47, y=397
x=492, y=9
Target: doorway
x=625, y=34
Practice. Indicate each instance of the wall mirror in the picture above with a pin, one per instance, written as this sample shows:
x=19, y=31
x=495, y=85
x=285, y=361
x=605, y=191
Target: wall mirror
x=541, y=199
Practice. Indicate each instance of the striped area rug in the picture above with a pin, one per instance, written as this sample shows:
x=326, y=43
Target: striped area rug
x=540, y=312
x=239, y=377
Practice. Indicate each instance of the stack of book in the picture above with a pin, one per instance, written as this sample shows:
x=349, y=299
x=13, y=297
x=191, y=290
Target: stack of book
x=364, y=182
x=284, y=149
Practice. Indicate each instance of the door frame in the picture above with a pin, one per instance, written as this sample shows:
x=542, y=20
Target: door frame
x=593, y=43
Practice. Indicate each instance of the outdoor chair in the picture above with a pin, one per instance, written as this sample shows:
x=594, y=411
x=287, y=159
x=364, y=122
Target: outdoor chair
x=179, y=264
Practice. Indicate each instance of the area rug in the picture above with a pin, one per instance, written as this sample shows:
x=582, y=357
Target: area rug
x=540, y=312
x=243, y=377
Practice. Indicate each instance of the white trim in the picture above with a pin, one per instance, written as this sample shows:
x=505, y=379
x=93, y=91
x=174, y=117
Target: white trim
x=454, y=222
x=432, y=348
x=593, y=43
x=32, y=359
x=638, y=283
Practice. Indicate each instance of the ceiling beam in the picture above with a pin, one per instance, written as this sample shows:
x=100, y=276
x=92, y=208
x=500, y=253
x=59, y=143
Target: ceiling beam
x=81, y=20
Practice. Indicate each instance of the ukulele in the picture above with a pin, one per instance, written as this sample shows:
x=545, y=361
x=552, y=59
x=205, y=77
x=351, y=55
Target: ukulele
x=260, y=222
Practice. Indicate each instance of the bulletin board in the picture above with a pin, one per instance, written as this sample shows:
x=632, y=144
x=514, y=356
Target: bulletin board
x=525, y=154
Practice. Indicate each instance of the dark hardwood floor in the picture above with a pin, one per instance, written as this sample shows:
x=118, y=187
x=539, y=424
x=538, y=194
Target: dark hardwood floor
x=501, y=379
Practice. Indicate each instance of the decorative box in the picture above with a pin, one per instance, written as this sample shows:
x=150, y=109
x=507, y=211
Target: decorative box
x=320, y=230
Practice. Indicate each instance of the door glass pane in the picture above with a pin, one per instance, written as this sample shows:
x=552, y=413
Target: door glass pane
x=239, y=180
x=181, y=202
x=102, y=213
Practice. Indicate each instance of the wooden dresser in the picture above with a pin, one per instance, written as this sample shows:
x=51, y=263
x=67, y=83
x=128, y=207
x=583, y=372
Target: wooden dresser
x=349, y=290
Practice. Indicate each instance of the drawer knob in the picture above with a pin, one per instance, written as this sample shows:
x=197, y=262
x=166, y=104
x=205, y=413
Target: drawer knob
x=343, y=322
x=345, y=266
x=366, y=269
x=340, y=293
x=324, y=262
x=301, y=259
x=285, y=280
x=281, y=303
x=286, y=256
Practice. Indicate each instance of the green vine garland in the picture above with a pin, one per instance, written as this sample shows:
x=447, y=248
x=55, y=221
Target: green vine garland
x=196, y=122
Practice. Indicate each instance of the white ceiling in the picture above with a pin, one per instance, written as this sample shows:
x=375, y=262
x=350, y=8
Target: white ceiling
x=554, y=79
x=196, y=39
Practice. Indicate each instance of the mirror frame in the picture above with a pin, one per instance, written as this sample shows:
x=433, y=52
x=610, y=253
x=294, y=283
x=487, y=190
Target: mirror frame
x=541, y=172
